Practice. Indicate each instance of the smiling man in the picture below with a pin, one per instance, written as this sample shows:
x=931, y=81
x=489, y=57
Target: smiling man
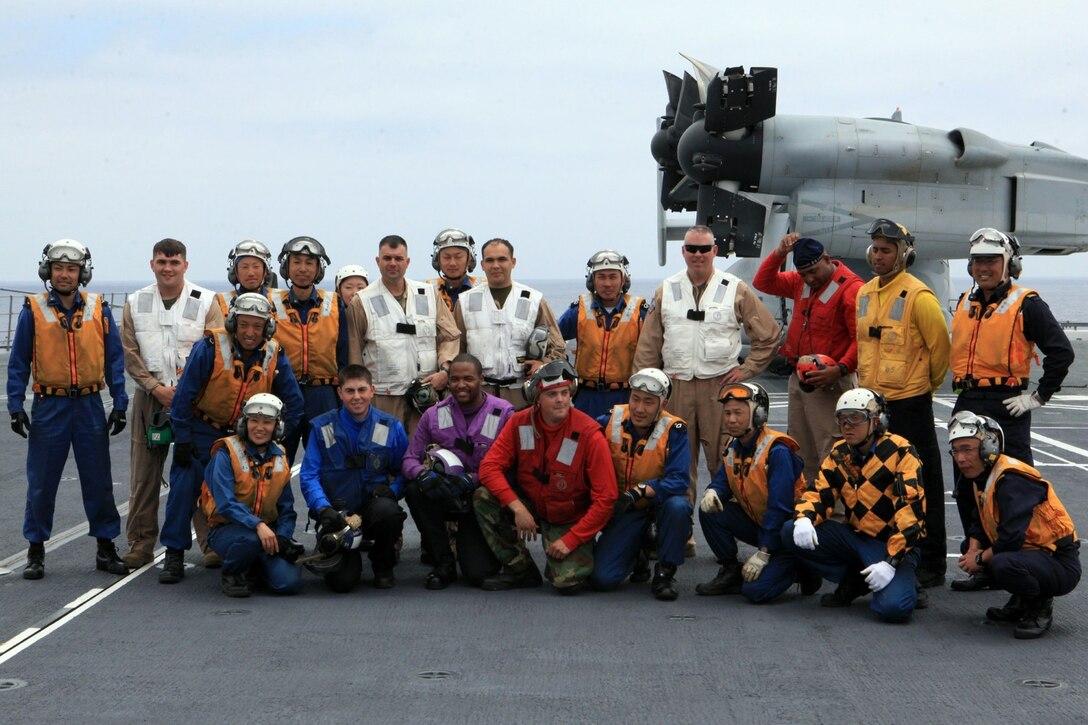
x=903, y=355
x=249, y=269
x=453, y=256
x=996, y=329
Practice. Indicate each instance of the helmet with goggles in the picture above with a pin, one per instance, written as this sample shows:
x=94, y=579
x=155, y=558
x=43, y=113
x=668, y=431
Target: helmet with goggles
x=607, y=259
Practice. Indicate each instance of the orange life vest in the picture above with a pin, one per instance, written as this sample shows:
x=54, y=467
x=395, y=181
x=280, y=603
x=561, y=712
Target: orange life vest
x=258, y=487
x=228, y=386
x=988, y=343
x=1050, y=522
x=747, y=477
x=310, y=348
x=637, y=461
x=604, y=358
x=68, y=358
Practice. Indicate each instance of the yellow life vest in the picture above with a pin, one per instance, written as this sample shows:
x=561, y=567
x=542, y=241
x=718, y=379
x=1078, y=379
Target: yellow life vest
x=891, y=360
x=988, y=343
x=258, y=487
x=604, y=358
x=68, y=359
x=747, y=477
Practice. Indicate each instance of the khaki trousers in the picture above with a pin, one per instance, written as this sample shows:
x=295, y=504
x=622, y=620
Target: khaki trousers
x=811, y=420
x=696, y=401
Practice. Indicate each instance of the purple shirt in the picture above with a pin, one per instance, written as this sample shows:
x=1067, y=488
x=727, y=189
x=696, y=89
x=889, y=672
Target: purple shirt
x=469, y=434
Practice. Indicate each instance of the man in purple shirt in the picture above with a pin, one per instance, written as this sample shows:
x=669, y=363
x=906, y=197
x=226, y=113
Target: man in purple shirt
x=441, y=462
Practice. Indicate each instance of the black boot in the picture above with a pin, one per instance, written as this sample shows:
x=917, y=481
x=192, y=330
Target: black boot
x=35, y=562
x=235, y=585
x=173, y=567
x=727, y=581
x=663, y=585
x=809, y=580
x=1038, y=616
x=641, y=572
x=850, y=588
x=107, y=559
x=1013, y=611
x=978, y=581
x=441, y=576
x=507, y=579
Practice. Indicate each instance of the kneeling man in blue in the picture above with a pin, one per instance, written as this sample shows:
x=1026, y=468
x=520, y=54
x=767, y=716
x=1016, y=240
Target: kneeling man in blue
x=651, y=454
x=877, y=475
x=247, y=499
x=750, y=499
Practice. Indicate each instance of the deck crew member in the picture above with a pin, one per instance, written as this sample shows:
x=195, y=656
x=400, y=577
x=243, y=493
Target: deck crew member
x=453, y=256
x=605, y=322
x=903, y=349
x=68, y=341
x=996, y=329
x=159, y=327
x=249, y=269
x=650, y=453
x=1020, y=532
x=351, y=279
x=496, y=321
x=821, y=342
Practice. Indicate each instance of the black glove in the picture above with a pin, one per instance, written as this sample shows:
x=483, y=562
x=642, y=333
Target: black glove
x=626, y=500
x=460, y=484
x=382, y=491
x=329, y=519
x=430, y=484
x=116, y=422
x=20, y=423
x=183, y=454
x=290, y=550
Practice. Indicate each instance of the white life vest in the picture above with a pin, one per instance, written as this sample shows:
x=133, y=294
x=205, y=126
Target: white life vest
x=497, y=336
x=167, y=336
x=701, y=340
x=400, y=344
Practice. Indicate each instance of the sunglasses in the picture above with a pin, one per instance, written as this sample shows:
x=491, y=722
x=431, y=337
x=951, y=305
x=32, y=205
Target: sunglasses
x=698, y=248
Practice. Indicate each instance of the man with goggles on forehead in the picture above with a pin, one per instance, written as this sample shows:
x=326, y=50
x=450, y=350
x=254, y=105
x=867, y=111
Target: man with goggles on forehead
x=453, y=256
x=1019, y=533
x=996, y=329
x=693, y=333
x=606, y=322
x=249, y=269
x=903, y=355
x=651, y=454
x=876, y=475
x=750, y=499
x=821, y=342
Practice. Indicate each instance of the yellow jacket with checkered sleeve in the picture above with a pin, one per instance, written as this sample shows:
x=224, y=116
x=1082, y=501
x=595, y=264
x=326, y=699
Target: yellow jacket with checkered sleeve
x=881, y=493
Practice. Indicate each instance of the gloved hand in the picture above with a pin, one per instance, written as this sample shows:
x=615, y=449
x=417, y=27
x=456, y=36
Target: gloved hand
x=711, y=503
x=430, y=484
x=183, y=454
x=878, y=575
x=754, y=566
x=460, y=484
x=1022, y=403
x=382, y=491
x=289, y=549
x=20, y=423
x=116, y=422
x=804, y=534
x=329, y=519
x=626, y=500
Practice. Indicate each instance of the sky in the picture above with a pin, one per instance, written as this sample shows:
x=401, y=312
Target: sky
x=127, y=122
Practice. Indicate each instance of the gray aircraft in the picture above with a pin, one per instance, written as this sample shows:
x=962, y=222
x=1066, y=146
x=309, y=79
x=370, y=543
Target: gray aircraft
x=751, y=176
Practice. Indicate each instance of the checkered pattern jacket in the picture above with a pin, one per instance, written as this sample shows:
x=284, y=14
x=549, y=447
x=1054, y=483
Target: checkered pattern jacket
x=882, y=495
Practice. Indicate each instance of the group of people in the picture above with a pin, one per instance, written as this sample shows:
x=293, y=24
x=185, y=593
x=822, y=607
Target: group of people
x=456, y=395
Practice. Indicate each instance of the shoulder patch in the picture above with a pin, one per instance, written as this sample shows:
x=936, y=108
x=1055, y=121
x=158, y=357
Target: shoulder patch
x=679, y=425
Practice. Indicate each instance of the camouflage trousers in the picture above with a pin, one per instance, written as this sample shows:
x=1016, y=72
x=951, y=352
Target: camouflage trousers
x=497, y=525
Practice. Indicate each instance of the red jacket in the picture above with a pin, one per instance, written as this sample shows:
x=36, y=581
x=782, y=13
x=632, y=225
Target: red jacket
x=825, y=320
x=579, y=480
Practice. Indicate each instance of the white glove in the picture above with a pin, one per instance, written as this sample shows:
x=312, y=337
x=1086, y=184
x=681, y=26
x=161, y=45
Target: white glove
x=804, y=534
x=1022, y=403
x=754, y=566
x=878, y=575
x=710, y=504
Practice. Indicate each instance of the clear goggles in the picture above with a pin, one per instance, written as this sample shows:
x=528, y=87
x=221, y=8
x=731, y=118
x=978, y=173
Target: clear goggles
x=64, y=252
x=251, y=248
x=305, y=245
x=649, y=384
x=852, y=417
x=452, y=237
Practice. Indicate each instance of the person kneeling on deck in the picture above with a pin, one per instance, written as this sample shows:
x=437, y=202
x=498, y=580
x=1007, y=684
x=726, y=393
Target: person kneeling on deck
x=876, y=475
x=561, y=484
x=1019, y=532
x=651, y=456
x=761, y=472
x=247, y=499
x=351, y=481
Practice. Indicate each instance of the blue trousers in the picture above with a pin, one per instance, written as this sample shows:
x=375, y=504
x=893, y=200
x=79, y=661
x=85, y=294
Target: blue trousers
x=241, y=551
x=185, y=483
x=58, y=424
x=1037, y=574
x=843, y=551
x=722, y=530
x=617, y=549
x=596, y=403
x=318, y=399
